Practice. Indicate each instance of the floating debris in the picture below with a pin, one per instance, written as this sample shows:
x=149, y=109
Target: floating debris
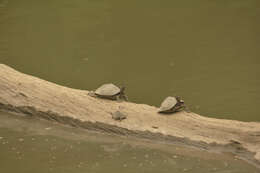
x=133, y=157
x=21, y=140
x=85, y=59
x=197, y=107
x=226, y=164
x=53, y=148
x=5, y=142
x=172, y=64
x=214, y=169
x=175, y=156
x=185, y=169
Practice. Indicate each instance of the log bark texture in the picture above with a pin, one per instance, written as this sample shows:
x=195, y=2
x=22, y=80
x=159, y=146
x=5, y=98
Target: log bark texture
x=21, y=93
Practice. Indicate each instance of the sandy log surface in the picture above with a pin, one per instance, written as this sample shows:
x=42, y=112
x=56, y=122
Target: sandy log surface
x=21, y=93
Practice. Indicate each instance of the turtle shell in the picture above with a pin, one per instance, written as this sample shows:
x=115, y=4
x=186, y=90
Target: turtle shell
x=168, y=104
x=107, y=90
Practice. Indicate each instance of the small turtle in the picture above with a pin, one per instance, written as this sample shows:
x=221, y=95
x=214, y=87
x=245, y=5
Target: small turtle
x=172, y=105
x=118, y=116
x=109, y=91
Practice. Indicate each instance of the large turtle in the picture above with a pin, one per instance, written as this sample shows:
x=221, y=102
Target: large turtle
x=110, y=91
x=172, y=105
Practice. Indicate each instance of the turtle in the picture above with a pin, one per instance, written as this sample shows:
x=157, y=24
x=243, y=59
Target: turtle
x=109, y=91
x=172, y=105
x=118, y=116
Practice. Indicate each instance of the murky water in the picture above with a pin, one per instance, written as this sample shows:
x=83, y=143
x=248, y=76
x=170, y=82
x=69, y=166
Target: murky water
x=206, y=51
x=29, y=145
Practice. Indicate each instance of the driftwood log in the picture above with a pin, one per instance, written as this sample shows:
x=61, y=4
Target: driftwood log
x=21, y=93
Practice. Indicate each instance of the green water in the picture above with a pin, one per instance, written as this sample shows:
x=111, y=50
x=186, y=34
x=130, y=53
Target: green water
x=29, y=146
x=205, y=51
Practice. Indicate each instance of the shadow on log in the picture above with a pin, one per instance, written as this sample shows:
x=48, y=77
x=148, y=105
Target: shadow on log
x=21, y=93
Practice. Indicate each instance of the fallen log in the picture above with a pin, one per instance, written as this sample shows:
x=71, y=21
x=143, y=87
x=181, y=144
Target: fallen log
x=21, y=93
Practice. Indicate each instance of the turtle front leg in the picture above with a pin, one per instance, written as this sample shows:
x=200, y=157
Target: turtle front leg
x=179, y=108
x=118, y=99
x=122, y=96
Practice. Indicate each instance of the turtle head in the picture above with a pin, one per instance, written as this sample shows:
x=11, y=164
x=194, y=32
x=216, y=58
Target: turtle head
x=178, y=98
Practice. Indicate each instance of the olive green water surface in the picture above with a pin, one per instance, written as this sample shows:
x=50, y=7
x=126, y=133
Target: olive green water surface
x=206, y=51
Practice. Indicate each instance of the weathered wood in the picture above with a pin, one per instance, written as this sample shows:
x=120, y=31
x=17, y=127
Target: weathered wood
x=32, y=96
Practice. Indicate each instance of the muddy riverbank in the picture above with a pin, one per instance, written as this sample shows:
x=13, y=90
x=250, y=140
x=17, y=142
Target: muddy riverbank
x=21, y=93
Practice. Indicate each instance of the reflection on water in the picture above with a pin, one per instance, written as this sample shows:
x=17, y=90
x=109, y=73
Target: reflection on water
x=29, y=145
x=205, y=51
